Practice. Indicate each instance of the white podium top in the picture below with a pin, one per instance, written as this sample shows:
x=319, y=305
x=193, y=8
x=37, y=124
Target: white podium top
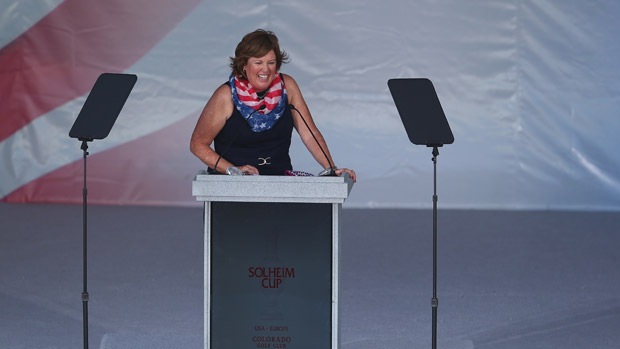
x=208, y=187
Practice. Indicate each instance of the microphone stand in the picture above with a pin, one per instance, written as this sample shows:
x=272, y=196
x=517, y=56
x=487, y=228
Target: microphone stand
x=329, y=172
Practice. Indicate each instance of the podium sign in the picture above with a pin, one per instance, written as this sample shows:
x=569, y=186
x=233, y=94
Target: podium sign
x=271, y=260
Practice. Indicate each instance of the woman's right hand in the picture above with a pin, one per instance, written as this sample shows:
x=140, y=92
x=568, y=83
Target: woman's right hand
x=248, y=170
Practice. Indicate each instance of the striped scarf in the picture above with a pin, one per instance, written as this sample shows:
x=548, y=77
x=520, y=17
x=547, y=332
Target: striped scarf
x=246, y=101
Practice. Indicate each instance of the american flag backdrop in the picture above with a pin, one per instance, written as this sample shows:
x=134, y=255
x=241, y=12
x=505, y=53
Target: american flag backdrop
x=49, y=68
x=531, y=90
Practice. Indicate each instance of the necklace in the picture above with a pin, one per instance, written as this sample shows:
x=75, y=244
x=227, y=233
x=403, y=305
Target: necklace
x=261, y=94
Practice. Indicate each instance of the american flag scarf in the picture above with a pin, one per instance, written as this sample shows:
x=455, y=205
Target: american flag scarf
x=246, y=101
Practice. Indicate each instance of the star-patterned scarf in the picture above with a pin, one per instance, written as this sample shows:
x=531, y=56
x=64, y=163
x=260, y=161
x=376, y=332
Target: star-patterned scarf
x=246, y=101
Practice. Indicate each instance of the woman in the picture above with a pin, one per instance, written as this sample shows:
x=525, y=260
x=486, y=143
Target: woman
x=250, y=118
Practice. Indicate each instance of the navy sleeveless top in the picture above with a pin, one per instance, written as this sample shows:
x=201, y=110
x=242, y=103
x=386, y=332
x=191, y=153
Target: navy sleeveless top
x=266, y=150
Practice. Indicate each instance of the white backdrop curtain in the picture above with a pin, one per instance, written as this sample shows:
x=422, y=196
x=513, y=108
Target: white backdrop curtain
x=531, y=90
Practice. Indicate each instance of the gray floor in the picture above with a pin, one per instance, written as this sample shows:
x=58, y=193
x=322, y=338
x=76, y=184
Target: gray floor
x=507, y=279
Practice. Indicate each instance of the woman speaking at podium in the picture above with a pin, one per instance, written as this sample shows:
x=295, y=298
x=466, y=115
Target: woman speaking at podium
x=251, y=117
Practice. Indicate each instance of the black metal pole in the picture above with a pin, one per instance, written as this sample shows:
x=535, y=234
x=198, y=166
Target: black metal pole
x=84, y=250
x=435, y=301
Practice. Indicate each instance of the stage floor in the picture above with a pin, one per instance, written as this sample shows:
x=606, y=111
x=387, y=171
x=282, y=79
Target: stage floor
x=507, y=279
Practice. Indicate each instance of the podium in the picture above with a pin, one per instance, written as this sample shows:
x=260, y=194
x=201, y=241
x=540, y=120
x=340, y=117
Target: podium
x=271, y=254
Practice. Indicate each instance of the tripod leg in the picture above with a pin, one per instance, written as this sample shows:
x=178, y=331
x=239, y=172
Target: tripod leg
x=84, y=250
x=435, y=301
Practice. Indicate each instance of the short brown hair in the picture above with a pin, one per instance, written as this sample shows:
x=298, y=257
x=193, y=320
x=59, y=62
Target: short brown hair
x=256, y=44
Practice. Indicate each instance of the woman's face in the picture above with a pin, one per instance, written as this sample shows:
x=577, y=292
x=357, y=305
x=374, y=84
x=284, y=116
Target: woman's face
x=261, y=71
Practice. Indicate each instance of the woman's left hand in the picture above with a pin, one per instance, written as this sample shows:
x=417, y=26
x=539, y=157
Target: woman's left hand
x=351, y=173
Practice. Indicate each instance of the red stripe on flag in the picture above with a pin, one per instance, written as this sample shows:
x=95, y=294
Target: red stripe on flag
x=138, y=173
x=60, y=57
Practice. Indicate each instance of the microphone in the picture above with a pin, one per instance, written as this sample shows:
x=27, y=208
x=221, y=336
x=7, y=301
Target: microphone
x=263, y=106
x=331, y=171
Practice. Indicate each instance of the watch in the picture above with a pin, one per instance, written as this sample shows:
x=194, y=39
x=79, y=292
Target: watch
x=327, y=171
